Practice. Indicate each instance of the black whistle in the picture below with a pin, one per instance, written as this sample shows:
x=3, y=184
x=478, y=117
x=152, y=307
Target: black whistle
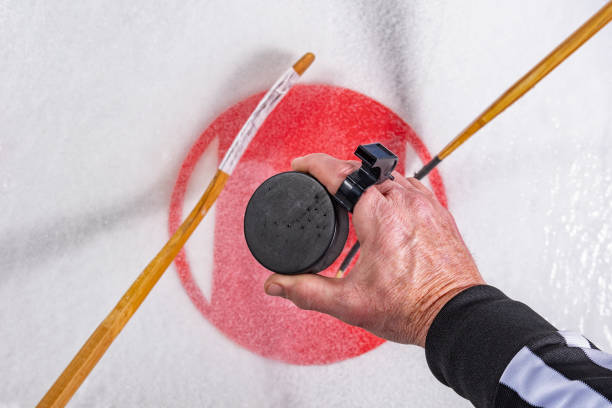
x=292, y=225
x=377, y=163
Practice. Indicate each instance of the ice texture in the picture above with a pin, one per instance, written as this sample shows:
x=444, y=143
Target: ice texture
x=101, y=102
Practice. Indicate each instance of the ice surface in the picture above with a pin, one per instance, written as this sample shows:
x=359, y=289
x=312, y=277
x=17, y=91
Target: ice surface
x=101, y=101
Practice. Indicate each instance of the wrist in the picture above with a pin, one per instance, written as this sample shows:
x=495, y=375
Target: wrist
x=433, y=301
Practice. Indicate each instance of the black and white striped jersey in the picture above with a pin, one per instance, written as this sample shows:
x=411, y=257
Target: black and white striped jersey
x=497, y=352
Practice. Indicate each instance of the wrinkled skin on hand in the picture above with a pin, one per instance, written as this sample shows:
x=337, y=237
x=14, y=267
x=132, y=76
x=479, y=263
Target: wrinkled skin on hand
x=413, y=259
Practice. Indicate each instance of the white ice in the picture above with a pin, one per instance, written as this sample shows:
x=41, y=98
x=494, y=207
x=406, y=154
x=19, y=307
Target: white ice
x=100, y=102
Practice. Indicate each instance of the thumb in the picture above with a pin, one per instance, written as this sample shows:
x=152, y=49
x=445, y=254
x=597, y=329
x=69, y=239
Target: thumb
x=309, y=291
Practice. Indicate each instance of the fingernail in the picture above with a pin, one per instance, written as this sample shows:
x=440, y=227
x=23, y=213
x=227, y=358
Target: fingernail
x=274, y=289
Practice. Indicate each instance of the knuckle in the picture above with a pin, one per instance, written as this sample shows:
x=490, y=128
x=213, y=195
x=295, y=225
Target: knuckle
x=368, y=203
x=397, y=194
x=420, y=186
x=422, y=206
x=346, y=167
x=302, y=295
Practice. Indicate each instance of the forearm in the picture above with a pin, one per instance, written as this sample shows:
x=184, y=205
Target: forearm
x=497, y=352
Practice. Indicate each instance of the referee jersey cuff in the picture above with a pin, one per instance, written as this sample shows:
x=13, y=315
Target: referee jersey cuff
x=474, y=337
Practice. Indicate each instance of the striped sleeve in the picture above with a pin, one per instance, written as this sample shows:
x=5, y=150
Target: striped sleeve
x=497, y=352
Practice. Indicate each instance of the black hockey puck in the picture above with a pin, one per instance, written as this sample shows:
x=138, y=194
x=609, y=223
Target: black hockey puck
x=292, y=225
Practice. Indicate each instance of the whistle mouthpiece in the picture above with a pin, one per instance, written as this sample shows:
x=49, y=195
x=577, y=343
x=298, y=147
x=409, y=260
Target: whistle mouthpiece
x=377, y=163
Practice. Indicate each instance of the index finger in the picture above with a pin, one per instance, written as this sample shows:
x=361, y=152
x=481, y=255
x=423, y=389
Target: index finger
x=411, y=183
x=330, y=171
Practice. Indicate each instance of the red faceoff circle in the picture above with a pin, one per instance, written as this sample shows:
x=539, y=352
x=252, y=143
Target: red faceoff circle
x=311, y=118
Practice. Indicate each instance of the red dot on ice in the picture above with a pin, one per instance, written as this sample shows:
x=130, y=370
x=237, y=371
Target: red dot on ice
x=312, y=118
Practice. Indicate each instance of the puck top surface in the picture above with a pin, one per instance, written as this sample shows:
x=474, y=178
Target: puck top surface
x=289, y=223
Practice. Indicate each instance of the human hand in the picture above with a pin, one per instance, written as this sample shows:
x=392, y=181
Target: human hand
x=413, y=259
